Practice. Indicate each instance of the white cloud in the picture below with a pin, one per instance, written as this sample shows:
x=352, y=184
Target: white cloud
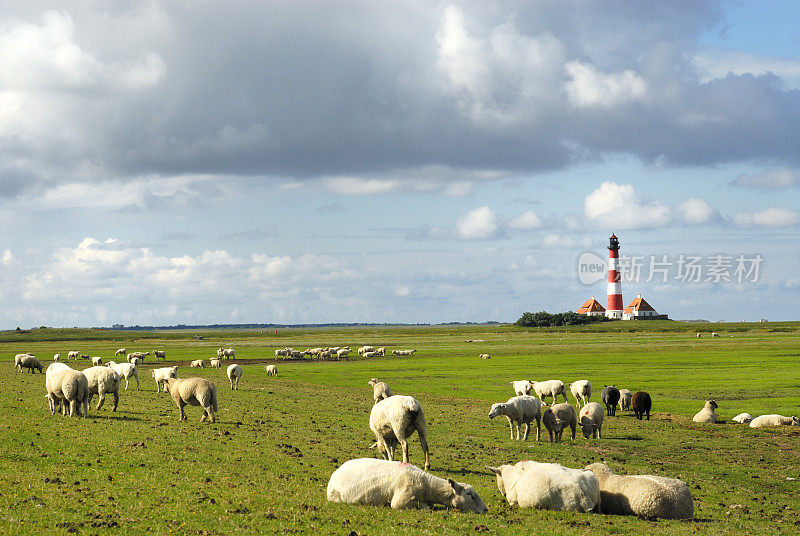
x=771, y=217
x=357, y=186
x=555, y=241
x=8, y=257
x=478, y=224
x=402, y=291
x=590, y=87
x=717, y=63
x=769, y=180
x=526, y=221
x=618, y=206
x=697, y=212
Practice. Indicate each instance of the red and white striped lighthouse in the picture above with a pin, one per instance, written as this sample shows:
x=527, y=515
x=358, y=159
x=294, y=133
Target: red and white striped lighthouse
x=614, y=302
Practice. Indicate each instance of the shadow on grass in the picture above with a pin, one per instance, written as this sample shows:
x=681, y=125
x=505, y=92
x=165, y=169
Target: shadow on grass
x=626, y=438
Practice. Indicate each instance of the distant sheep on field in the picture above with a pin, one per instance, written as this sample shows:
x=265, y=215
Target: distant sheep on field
x=160, y=354
x=197, y=363
x=121, y=351
x=707, y=414
x=29, y=362
x=234, y=373
x=610, y=397
x=641, y=404
x=714, y=334
x=272, y=370
x=73, y=354
x=763, y=421
x=625, y=397
x=125, y=370
x=743, y=418
x=97, y=361
x=215, y=362
x=228, y=353
x=484, y=356
x=522, y=387
x=380, y=390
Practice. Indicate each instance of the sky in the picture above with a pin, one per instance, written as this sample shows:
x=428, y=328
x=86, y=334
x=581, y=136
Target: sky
x=292, y=162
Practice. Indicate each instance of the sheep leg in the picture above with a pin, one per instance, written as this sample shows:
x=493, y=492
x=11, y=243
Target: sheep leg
x=404, y=446
x=210, y=412
x=573, y=426
x=538, y=428
x=181, y=405
x=527, y=430
x=511, y=425
x=101, y=397
x=116, y=400
x=137, y=381
x=423, y=441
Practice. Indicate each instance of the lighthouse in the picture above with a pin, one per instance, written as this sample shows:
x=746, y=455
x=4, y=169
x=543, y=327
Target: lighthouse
x=614, y=301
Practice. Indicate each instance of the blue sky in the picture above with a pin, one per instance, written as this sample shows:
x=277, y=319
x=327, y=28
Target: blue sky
x=302, y=162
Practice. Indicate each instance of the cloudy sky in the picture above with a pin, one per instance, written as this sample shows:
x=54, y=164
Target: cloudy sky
x=420, y=161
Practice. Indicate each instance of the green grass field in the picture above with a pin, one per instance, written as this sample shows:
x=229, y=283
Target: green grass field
x=264, y=466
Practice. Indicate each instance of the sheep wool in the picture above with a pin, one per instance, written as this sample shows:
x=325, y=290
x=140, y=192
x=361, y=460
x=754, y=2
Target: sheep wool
x=548, y=486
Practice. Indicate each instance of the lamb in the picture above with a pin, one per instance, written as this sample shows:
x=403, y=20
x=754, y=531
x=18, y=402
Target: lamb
x=550, y=388
x=582, y=389
x=641, y=404
x=379, y=482
x=591, y=420
x=56, y=358
x=625, y=396
x=380, y=390
x=393, y=420
x=97, y=361
x=197, y=363
x=228, y=353
x=774, y=420
x=121, y=351
x=234, y=373
x=381, y=351
x=557, y=417
x=485, y=356
x=160, y=354
x=610, y=397
x=73, y=354
x=126, y=371
x=364, y=349
x=520, y=410
x=195, y=392
x=743, y=418
x=70, y=388
x=160, y=375
x=548, y=486
x=647, y=496
x=102, y=380
x=369, y=354
x=272, y=370
x=714, y=334
x=29, y=362
x=215, y=362
x=522, y=387
x=707, y=415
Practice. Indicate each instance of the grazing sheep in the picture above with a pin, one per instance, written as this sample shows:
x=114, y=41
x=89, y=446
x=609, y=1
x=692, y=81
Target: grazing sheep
x=522, y=387
x=126, y=371
x=364, y=349
x=97, y=361
x=369, y=354
x=625, y=397
x=641, y=404
x=582, y=389
x=29, y=362
x=343, y=352
x=591, y=420
x=550, y=388
x=121, y=351
x=774, y=420
x=48, y=375
x=228, y=353
x=70, y=388
x=84, y=357
x=379, y=483
x=484, y=356
x=610, y=397
x=160, y=354
x=548, y=486
x=714, y=334
x=381, y=351
x=137, y=355
x=403, y=352
x=393, y=420
x=73, y=354
x=380, y=390
x=215, y=362
x=56, y=358
x=234, y=373
x=520, y=410
x=195, y=392
x=698, y=334
x=160, y=375
x=197, y=363
x=102, y=380
x=707, y=415
x=646, y=496
x=743, y=418
x=558, y=417
x=272, y=370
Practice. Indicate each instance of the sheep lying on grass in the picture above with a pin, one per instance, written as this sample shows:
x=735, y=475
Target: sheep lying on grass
x=643, y=495
x=641, y=404
x=707, y=415
x=27, y=361
x=102, y=380
x=393, y=420
x=550, y=388
x=380, y=390
x=591, y=420
x=581, y=390
x=520, y=410
x=126, y=371
x=195, y=392
x=548, y=486
x=161, y=374
x=625, y=397
x=558, y=417
x=69, y=388
x=743, y=418
x=234, y=373
x=774, y=420
x=272, y=370
x=380, y=482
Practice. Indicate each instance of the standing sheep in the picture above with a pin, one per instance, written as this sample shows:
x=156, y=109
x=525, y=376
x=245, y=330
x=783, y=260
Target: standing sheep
x=70, y=388
x=48, y=376
x=558, y=417
x=56, y=358
x=522, y=387
x=102, y=380
x=582, y=389
x=520, y=410
x=126, y=371
x=707, y=415
x=548, y=486
x=73, y=354
x=215, y=362
x=229, y=353
x=591, y=420
x=610, y=397
x=641, y=404
x=379, y=482
x=380, y=390
x=160, y=354
x=195, y=392
x=550, y=388
x=97, y=361
x=160, y=375
x=121, y=351
x=625, y=397
x=197, y=363
x=647, y=496
x=272, y=370
x=29, y=362
x=234, y=373
x=393, y=420
x=763, y=421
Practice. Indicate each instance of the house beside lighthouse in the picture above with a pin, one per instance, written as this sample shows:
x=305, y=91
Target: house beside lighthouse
x=591, y=307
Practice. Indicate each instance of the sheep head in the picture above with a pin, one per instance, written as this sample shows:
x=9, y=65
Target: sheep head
x=497, y=409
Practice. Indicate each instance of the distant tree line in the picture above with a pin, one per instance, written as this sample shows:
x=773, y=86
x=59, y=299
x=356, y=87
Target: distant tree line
x=543, y=319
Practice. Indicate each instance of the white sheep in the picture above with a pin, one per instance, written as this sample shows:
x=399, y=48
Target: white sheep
x=370, y=354
x=102, y=380
x=197, y=363
x=698, y=335
x=548, y=486
x=73, y=354
x=380, y=390
x=69, y=388
x=393, y=420
x=647, y=496
x=591, y=420
x=774, y=420
x=381, y=351
x=228, y=353
x=714, y=334
x=272, y=370
x=126, y=371
x=160, y=375
x=707, y=415
x=343, y=352
x=558, y=417
x=137, y=355
x=160, y=354
x=550, y=388
x=522, y=387
x=379, y=482
x=27, y=361
x=364, y=349
x=743, y=418
x=56, y=358
x=48, y=375
x=121, y=351
x=195, y=392
x=97, y=361
x=234, y=373
x=215, y=362
x=485, y=356
x=582, y=389
x=625, y=397
x=520, y=410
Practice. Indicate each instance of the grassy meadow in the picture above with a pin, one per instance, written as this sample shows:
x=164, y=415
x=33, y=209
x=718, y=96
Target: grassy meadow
x=264, y=466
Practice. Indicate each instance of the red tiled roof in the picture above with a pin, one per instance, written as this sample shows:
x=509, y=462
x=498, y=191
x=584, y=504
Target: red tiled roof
x=591, y=306
x=638, y=304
